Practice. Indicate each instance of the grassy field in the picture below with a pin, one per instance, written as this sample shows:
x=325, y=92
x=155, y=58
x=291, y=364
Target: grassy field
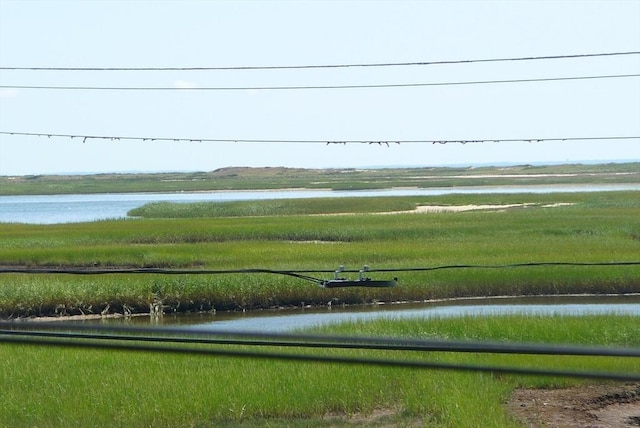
x=597, y=227
x=337, y=179
x=49, y=387
x=364, y=205
x=60, y=386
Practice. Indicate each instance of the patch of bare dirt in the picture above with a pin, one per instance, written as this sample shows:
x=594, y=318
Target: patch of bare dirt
x=379, y=418
x=586, y=406
x=460, y=208
x=425, y=209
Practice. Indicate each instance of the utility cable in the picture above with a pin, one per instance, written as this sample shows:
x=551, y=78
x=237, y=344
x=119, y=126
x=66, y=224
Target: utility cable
x=68, y=330
x=87, y=137
x=309, y=87
x=336, y=281
x=506, y=266
x=416, y=364
x=296, y=273
x=289, y=67
x=91, y=271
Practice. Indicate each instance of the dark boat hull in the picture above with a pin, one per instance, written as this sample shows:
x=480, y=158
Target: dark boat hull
x=337, y=283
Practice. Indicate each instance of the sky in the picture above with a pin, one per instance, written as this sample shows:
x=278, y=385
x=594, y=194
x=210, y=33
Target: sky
x=182, y=34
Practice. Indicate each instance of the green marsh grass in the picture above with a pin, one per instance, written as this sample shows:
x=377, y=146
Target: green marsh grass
x=599, y=227
x=49, y=387
x=53, y=387
x=339, y=205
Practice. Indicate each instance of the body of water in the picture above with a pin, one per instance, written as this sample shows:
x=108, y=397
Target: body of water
x=292, y=319
x=51, y=209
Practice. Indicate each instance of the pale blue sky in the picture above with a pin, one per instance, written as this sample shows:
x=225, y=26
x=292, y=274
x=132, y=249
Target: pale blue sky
x=216, y=34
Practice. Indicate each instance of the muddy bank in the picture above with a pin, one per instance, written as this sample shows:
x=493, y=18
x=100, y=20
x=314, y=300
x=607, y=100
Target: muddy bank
x=601, y=406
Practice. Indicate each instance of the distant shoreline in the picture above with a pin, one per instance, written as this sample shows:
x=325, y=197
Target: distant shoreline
x=243, y=179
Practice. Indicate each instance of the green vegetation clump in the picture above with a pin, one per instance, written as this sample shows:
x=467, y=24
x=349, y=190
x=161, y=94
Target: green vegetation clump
x=279, y=207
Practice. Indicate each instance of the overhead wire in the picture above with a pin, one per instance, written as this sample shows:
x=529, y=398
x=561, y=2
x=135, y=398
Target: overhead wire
x=165, y=271
x=192, y=336
x=320, y=66
x=300, y=274
x=313, y=87
x=18, y=333
x=415, y=364
x=88, y=137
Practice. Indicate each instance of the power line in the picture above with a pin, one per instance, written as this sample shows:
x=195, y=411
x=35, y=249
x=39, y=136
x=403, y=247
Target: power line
x=290, y=67
x=302, y=87
x=300, y=274
x=415, y=364
x=131, y=344
x=163, y=271
x=88, y=137
x=190, y=336
x=507, y=266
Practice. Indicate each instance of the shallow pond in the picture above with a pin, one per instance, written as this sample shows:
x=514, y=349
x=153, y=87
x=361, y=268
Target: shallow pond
x=290, y=319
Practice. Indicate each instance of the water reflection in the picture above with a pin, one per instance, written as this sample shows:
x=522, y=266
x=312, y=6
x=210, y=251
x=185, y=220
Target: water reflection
x=291, y=319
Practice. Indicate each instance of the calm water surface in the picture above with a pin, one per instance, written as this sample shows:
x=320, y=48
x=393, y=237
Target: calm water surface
x=50, y=209
x=292, y=319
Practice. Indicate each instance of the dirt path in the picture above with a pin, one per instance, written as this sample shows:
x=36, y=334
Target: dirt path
x=612, y=405
x=587, y=406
